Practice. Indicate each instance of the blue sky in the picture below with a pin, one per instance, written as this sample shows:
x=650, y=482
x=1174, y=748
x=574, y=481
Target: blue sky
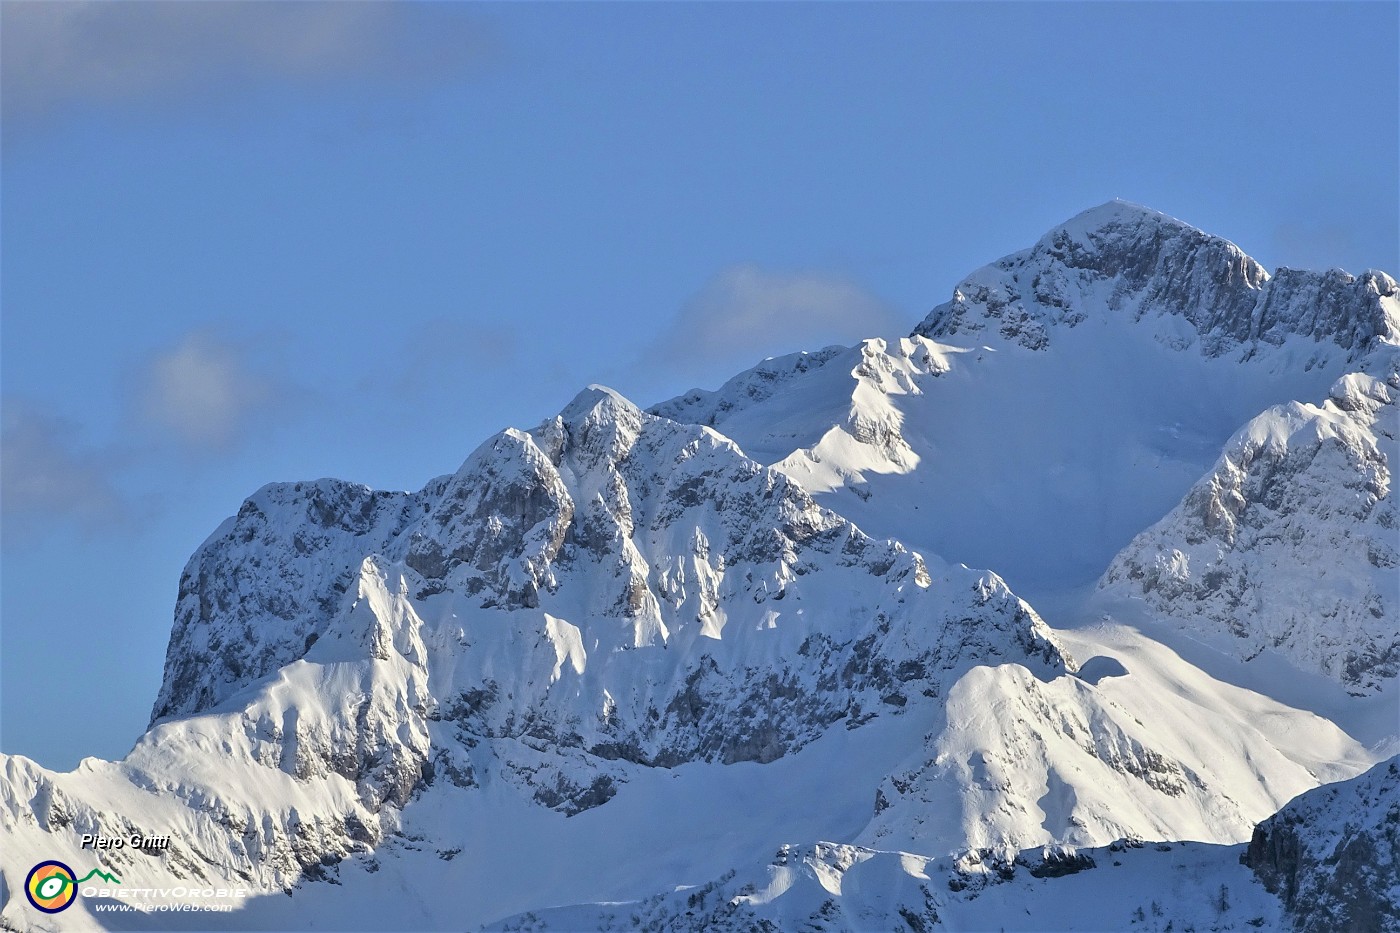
x=251, y=242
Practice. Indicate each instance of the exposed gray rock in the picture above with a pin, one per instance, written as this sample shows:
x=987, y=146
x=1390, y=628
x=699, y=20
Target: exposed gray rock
x=1291, y=541
x=1333, y=854
x=621, y=570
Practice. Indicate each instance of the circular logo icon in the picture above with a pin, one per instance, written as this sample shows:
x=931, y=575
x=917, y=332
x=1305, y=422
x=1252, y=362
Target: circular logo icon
x=51, y=886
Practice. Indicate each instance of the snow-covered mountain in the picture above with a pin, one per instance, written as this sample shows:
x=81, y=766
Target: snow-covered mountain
x=602, y=533
x=1291, y=542
x=1188, y=288
x=629, y=650
x=1071, y=395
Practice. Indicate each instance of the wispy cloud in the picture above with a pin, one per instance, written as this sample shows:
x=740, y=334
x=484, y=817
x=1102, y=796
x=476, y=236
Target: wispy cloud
x=205, y=392
x=436, y=351
x=745, y=313
x=63, y=52
x=204, y=397
x=46, y=475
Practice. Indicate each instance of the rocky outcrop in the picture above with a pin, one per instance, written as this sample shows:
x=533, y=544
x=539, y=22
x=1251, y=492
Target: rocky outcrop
x=1333, y=854
x=259, y=591
x=1290, y=542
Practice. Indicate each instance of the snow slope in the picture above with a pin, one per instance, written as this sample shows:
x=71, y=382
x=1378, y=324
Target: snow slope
x=830, y=887
x=1041, y=464
x=1127, y=885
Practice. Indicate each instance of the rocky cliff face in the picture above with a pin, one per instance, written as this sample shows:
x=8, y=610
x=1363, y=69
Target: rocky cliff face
x=1290, y=542
x=595, y=541
x=1333, y=855
x=1192, y=288
x=258, y=593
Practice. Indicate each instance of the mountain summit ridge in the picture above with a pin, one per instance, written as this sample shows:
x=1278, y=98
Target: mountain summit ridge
x=1139, y=262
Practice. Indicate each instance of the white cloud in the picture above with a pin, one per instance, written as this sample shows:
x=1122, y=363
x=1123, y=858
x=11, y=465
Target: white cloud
x=204, y=392
x=204, y=395
x=746, y=313
x=85, y=51
x=44, y=475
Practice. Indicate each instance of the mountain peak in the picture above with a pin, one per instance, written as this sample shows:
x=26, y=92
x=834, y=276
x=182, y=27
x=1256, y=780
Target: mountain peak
x=1121, y=239
x=622, y=609
x=1122, y=262
x=1115, y=214
x=598, y=425
x=595, y=398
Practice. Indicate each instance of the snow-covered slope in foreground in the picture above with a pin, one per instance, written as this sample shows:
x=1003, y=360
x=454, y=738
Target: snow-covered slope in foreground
x=474, y=851
x=1330, y=856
